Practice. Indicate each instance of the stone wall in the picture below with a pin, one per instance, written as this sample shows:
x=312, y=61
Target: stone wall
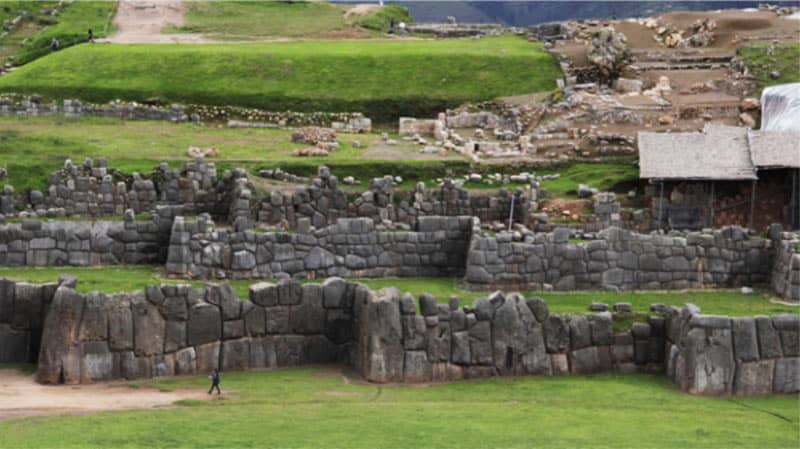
x=179, y=330
x=34, y=243
x=33, y=106
x=23, y=307
x=349, y=248
x=323, y=202
x=90, y=190
x=785, y=279
x=497, y=336
x=618, y=260
x=718, y=355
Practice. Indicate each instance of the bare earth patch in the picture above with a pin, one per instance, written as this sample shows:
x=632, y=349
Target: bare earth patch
x=21, y=396
x=141, y=21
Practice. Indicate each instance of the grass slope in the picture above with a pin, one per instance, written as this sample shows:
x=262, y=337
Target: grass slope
x=69, y=28
x=32, y=148
x=313, y=407
x=785, y=60
x=259, y=20
x=723, y=302
x=383, y=79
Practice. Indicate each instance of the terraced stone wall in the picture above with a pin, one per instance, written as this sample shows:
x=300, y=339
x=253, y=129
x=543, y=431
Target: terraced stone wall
x=35, y=243
x=352, y=247
x=178, y=330
x=785, y=279
x=619, y=260
x=718, y=355
x=496, y=336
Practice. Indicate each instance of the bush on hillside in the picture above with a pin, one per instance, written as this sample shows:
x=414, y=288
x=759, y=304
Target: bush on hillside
x=379, y=20
x=40, y=46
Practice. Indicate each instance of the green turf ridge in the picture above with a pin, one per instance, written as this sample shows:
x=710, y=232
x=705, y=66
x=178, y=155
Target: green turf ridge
x=718, y=301
x=384, y=79
x=316, y=407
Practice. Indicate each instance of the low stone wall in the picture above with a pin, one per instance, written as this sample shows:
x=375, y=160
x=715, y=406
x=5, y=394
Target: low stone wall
x=349, y=248
x=34, y=243
x=33, y=106
x=619, y=260
x=718, y=355
x=323, y=202
x=23, y=308
x=177, y=330
x=785, y=279
x=496, y=336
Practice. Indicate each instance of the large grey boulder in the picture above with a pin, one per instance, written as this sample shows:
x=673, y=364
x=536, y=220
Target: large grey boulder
x=754, y=378
x=97, y=362
x=205, y=324
x=769, y=341
x=185, y=361
x=148, y=327
x=580, y=332
x=416, y=367
x=120, y=323
x=309, y=316
x=556, y=334
x=787, y=375
x=207, y=357
x=94, y=325
x=745, y=339
x=480, y=343
x=381, y=335
x=264, y=294
x=59, y=358
x=709, y=361
x=601, y=328
x=225, y=298
x=235, y=354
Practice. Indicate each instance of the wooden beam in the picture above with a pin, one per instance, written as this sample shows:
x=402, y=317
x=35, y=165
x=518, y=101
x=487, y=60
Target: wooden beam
x=752, y=203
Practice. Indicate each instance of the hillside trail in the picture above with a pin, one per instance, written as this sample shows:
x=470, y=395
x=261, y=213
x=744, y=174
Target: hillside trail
x=21, y=396
x=141, y=22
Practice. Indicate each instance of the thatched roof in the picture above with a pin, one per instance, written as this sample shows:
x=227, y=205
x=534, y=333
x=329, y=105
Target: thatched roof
x=774, y=149
x=717, y=153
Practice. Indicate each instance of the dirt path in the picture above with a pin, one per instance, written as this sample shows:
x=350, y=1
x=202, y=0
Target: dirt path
x=141, y=22
x=20, y=396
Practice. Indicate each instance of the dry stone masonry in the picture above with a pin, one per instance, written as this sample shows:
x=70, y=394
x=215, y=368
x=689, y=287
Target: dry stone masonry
x=178, y=330
x=718, y=355
x=618, y=260
x=349, y=248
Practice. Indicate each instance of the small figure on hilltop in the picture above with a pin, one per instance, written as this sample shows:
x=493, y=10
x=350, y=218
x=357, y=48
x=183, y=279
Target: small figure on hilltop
x=392, y=23
x=214, y=382
x=402, y=27
x=54, y=44
x=91, y=36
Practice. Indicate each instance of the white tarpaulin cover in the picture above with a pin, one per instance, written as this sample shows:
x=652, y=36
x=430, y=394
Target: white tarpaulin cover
x=780, y=108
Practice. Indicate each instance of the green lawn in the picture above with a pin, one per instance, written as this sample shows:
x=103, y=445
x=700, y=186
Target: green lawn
x=33, y=147
x=724, y=302
x=315, y=407
x=260, y=20
x=785, y=60
x=383, y=79
x=617, y=174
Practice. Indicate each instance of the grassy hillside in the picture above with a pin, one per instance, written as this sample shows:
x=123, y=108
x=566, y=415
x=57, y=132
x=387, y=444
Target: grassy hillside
x=31, y=39
x=383, y=79
x=259, y=20
x=320, y=407
x=785, y=60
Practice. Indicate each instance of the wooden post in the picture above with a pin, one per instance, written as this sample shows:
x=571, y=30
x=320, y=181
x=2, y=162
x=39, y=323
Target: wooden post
x=752, y=204
x=711, y=206
x=661, y=207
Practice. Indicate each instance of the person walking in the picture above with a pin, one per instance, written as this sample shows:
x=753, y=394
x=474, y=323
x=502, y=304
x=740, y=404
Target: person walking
x=214, y=382
x=91, y=36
